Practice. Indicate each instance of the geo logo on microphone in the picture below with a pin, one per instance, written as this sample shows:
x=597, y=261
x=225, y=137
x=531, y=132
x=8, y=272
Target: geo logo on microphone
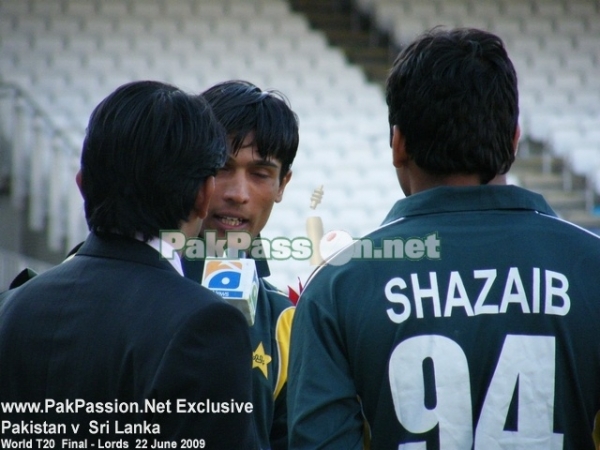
x=236, y=280
x=223, y=277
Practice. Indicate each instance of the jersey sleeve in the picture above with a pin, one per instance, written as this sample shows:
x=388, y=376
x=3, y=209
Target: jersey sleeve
x=279, y=428
x=323, y=409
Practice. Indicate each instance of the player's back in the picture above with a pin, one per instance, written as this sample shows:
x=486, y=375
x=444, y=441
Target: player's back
x=472, y=325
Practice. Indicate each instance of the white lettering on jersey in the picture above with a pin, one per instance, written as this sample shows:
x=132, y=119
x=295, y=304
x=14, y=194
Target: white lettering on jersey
x=421, y=293
x=490, y=277
x=456, y=286
x=395, y=297
x=514, y=292
x=509, y=291
x=557, y=291
x=525, y=370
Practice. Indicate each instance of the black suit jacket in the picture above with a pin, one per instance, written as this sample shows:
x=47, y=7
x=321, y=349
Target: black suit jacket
x=117, y=325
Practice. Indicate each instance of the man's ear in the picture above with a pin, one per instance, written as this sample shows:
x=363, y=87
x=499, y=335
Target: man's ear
x=79, y=181
x=516, y=138
x=286, y=179
x=203, y=197
x=399, y=155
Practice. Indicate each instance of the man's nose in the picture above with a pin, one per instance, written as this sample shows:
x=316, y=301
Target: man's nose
x=238, y=190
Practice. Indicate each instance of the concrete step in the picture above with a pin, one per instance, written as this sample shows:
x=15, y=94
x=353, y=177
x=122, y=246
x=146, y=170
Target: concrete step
x=347, y=38
x=563, y=201
x=350, y=31
x=583, y=219
x=570, y=205
x=329, y=21
x=377, y=73
x=370, y=54
x=539, y=181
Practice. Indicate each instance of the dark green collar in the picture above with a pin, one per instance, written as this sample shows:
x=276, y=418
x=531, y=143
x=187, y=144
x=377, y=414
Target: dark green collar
x=446, y=199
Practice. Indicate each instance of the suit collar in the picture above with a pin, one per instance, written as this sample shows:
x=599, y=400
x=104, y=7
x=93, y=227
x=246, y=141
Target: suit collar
x=122, y=248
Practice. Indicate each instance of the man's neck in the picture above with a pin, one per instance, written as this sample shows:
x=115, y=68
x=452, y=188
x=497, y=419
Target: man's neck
x=426, y=181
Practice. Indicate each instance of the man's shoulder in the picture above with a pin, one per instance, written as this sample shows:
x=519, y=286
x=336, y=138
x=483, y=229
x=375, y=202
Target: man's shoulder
x=124, y=277
x=277, y=298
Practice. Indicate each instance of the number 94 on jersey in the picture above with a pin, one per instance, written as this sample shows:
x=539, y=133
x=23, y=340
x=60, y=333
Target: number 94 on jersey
x=526, y=368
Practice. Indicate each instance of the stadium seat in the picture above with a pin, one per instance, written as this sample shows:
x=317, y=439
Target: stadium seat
x=586, y=100
x=587, y=42
x=147, y=8
x=32, y=25
x=545, y=63
x=242, y=10
x=210, y=9
x=100, y=62
x=581, y=62
x=261, y=26
x=80, y=8
x=538, y=26
x=132, y=26
x=37, y=208
x=274, y=9
x=387, y=14
x=555, y=43
x=14, y=9
x=567, y=81
x=66, y=27
x=97, y=25
x=151, y=45
x=113, y=8
x=583, y=160
x=179, y=9
x=570, y=26
x=486, y=8
x=49, y=43
x=582, y=10
x=506, y=28
x=165, y=28
x=517, y=9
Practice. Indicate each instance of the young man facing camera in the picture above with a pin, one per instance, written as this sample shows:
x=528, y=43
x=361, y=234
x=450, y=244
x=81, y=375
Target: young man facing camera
x=117, y=332
x=263, y=134
x=480, y=330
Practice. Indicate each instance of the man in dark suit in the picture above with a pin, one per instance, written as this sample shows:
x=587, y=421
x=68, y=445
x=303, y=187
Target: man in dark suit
x=115, y=345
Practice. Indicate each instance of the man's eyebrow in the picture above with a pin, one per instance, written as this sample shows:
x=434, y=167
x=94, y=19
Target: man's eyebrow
x=265, y=163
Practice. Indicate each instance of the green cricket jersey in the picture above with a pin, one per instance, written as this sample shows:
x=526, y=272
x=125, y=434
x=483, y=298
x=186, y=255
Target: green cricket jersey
x=469, y=320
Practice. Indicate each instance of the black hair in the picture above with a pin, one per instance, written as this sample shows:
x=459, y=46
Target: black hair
x=453, y=95
x=147, y=151
x=242, y=108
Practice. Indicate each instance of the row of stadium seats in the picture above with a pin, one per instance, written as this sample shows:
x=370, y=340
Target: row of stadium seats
x=146, y=8
x=64, y=60
x=555, y=45
x=160, y=27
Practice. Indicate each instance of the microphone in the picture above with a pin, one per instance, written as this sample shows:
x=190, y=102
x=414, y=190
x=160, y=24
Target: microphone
x=236, y=280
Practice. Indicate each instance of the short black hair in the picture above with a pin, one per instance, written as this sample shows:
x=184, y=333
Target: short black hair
x=242, y=107
x=453, y=95
x=147, y=151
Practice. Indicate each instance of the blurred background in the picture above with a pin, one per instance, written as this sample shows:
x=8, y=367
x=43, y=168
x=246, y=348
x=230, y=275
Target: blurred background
x=59, y=58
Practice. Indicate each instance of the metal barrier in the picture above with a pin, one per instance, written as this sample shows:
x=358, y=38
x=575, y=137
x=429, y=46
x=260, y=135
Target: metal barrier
x=39, y=161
